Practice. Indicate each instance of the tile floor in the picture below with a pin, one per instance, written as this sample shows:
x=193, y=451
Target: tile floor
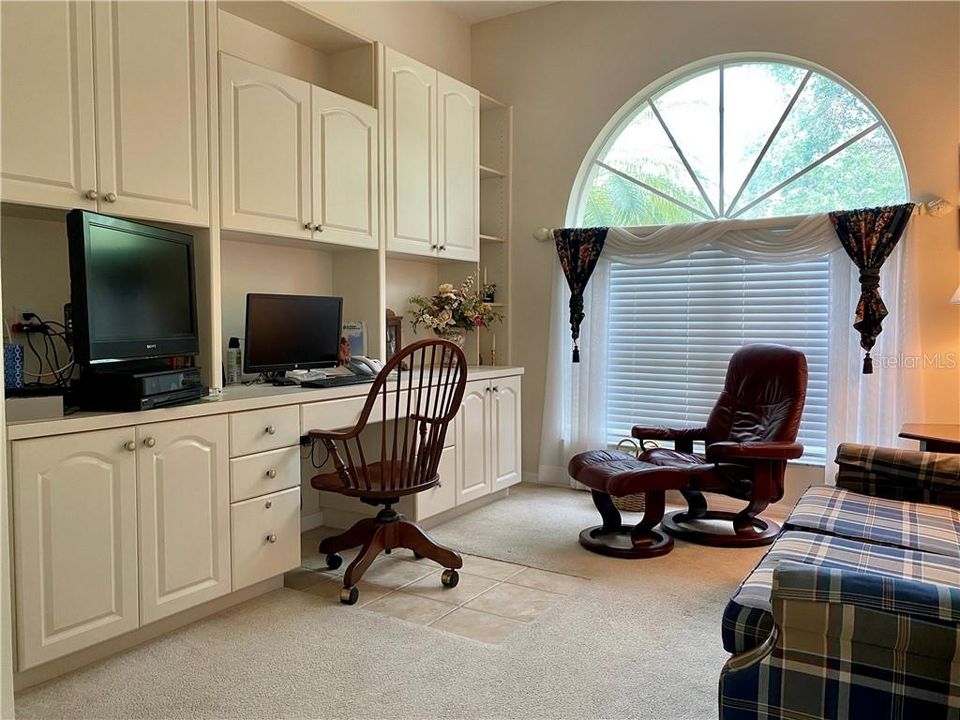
x=492, y=600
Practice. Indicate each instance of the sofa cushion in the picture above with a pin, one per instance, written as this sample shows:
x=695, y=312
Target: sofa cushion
x=917, y=526
x=748, y=619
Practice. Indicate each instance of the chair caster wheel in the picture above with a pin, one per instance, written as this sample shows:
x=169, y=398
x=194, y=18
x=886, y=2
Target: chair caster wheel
x=417, y=555
x=334, y=561
x=450, y=578
x=349, y=595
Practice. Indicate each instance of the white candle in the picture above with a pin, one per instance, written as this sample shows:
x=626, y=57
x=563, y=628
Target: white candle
x=493, y=343
x=484, y=274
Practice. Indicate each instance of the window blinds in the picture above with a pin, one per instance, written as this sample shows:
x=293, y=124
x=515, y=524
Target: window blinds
x=673, y=328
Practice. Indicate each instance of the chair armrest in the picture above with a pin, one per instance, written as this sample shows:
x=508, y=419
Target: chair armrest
x=734, y=451
x=664, y=433
x=799, y=582
x=899, y=474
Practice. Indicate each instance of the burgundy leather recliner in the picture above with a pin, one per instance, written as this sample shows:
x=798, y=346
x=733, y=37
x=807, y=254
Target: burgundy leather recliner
x=748, y=438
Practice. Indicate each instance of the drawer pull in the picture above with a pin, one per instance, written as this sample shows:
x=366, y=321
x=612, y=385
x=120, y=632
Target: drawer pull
x=271, y=538
x=150, y=442
x=271, y=473
x=271, y=430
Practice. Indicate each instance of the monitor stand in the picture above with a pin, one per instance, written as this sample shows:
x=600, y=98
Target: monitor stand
x=279, y=379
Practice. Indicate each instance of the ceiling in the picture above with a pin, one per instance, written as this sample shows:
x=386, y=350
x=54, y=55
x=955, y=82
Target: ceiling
x=475, y=12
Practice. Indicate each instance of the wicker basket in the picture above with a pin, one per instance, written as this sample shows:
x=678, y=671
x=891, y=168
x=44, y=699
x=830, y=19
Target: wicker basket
x=631, y=503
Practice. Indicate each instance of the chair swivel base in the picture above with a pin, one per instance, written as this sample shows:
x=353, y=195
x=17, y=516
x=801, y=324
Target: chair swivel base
x=620, y=543
x=759, y=532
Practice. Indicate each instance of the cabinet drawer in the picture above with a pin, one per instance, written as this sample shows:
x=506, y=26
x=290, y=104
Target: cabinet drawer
x=343, y=414
x=264, y=473
x=267, y=429
x=265, y=534
x=443, y=496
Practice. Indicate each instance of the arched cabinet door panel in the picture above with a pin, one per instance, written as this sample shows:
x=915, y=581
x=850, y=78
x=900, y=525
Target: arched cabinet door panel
x=345, y=191
x=264, y=151
x=75, y=532
x=505, y=418
x=458, y=119
x=473, y=442
x=183, y=480
x=410, y=155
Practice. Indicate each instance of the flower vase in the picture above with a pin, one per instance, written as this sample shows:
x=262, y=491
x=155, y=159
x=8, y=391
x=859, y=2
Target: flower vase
x=458, y=336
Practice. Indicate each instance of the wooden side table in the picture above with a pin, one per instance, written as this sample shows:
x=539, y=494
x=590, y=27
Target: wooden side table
x=933, y=437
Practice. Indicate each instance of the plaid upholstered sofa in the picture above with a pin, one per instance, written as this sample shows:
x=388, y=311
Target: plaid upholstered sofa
x=854, y=612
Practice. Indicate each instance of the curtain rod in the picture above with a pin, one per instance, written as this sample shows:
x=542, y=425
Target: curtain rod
x=936, y=207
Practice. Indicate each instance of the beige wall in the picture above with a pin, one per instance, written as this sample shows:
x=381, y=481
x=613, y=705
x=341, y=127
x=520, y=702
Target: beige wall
x=425, y=31
x=568, y=67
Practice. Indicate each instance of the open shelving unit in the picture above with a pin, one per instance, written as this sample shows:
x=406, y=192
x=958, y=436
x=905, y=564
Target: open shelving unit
x=496, y=169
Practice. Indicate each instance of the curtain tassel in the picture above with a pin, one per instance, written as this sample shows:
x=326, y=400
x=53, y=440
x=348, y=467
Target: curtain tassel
x=867, y=364
x=576, y=353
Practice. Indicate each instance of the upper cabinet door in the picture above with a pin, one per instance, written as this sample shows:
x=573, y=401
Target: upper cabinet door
x=505, y=432
x=264, y=151
x=75, y=510
x=152, y=110
x=410, y=155
x=459, y=169
x=346, y=205
x=48, y=135
x=184, y=497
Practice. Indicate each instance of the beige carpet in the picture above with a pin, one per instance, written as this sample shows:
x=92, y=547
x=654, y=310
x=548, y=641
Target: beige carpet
x=641, y=641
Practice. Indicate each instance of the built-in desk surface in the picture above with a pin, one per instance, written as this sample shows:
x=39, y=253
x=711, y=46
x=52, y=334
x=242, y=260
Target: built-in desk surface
x=234, y=398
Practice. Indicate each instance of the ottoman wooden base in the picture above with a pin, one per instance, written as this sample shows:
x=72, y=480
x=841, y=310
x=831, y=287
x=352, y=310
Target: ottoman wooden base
x=620, y=543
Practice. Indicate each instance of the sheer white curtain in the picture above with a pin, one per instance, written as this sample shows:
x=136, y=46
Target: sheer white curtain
x=861, y=408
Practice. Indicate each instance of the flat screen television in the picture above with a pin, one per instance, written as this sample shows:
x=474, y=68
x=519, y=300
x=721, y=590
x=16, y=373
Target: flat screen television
x=291, y=332
x=132, y=290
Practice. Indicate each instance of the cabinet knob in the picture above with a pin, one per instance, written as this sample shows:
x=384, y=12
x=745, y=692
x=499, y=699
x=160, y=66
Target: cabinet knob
x=307, y=226
x=496, y=388
x=110, y=197
x=90, y=194
x=270, y=430
x=442, y=248
x=271, y=473
x=150, y=442
x=268, y=504
x=433, y=246
x=130, y=446
x=318, y=228
x=271, y=538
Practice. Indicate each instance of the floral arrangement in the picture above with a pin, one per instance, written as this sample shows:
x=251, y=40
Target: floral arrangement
x=454, y=307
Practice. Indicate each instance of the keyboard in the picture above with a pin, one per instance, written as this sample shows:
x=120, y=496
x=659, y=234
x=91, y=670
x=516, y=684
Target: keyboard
x=338, y=381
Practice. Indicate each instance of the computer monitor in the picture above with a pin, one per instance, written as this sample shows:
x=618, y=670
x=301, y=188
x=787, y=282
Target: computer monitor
x=291, y=332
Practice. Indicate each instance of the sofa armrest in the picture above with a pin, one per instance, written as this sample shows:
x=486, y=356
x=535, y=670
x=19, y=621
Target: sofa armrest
x=899, y=474
x=641, y=432
x=795, y=582
x=726, y=451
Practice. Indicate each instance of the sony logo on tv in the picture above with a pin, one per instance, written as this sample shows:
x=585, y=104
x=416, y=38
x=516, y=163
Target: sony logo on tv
x=151, y=346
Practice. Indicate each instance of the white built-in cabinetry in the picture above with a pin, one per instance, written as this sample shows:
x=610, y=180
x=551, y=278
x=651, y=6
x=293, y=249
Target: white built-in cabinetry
x=297, y=160
x=117, y=528
x=431, y=161
x=183, y=488
x=488, y=429
x=105, y=108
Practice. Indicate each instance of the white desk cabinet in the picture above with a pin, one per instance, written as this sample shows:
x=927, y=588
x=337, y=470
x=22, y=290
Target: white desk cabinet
x=473, y=442
x=505, y=432
x=264, y=150
x=125, y=134
x=75, y=538
x=183, y=478
x=346, y=197
x=431, y=161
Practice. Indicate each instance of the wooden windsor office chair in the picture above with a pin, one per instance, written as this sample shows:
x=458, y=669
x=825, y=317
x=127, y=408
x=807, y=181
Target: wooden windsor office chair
x=413, y=408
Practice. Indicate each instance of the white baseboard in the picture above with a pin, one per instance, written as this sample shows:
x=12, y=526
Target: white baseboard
x=309, y=522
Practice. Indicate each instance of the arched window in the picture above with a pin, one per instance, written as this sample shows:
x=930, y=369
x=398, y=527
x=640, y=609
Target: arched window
x=736, y=138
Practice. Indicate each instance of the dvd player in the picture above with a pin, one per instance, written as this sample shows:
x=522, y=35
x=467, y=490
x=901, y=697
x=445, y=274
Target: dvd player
x=138, y=389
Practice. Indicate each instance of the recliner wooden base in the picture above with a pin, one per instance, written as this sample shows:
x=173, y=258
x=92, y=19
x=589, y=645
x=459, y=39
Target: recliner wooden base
x=748, y=531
